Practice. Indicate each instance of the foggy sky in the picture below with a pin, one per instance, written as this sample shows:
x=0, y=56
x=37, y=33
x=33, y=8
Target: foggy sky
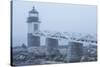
x=53, y=17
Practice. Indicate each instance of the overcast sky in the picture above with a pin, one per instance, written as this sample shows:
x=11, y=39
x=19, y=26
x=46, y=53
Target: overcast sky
x=53, y=17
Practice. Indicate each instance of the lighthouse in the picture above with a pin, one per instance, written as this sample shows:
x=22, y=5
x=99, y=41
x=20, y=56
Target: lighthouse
x=33, y=26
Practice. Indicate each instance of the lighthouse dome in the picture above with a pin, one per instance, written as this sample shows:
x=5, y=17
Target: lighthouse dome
x=33, y=10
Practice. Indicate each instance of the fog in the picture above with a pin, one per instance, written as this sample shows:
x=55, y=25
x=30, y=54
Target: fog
x=53, y=17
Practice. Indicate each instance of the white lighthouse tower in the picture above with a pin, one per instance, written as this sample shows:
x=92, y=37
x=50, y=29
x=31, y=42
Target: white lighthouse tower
x=33, y=26
x=33, y=21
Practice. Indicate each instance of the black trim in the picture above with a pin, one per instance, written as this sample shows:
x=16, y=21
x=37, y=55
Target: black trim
x=11, y=29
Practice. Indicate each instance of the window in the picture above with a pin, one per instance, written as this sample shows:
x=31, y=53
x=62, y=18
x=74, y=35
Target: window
x=35, y=27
